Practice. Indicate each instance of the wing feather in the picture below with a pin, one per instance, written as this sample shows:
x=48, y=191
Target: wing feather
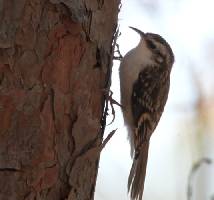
x=149, y=96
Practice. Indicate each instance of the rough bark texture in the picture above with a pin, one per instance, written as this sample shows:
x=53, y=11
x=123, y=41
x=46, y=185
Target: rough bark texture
x=55, y=59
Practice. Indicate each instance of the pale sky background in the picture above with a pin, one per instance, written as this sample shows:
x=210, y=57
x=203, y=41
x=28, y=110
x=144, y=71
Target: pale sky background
x=178, y=142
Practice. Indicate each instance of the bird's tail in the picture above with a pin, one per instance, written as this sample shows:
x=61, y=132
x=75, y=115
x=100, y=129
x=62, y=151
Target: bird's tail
x=138, y=172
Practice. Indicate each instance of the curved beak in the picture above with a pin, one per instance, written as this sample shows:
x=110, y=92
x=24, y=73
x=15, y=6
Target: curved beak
x=142, y=34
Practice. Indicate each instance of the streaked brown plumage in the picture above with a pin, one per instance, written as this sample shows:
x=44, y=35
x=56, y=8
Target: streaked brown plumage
x=145, y=80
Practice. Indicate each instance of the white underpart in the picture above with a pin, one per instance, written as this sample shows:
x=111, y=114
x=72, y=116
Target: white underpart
x=131, y=65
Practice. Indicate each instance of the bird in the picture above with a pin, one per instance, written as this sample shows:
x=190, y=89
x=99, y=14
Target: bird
x=144, y=85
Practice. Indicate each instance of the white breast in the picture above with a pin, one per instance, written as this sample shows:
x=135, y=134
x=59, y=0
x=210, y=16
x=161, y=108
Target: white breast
x=131, y=65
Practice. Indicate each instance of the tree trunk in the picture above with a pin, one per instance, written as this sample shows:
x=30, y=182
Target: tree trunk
x=55, y=61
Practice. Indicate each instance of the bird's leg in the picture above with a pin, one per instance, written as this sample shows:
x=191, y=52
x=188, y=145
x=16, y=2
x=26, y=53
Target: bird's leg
x=108, y=95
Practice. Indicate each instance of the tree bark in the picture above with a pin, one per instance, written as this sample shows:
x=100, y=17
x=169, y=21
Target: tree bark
x=55, y=61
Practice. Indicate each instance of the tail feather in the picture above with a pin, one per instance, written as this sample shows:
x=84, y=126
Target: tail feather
x=138, y=173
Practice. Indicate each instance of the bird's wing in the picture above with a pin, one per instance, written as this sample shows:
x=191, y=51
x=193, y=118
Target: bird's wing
x=149, y=95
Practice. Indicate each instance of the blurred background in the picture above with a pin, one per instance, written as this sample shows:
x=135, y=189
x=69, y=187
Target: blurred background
x=182, y=146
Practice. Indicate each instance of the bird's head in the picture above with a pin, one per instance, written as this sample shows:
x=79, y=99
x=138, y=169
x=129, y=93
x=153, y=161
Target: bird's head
x=161, y=52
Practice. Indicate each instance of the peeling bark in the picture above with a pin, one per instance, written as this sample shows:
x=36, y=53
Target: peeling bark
x=55, y=61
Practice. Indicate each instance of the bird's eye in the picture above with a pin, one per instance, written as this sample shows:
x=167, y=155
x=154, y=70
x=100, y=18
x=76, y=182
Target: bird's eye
x=151, y=45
